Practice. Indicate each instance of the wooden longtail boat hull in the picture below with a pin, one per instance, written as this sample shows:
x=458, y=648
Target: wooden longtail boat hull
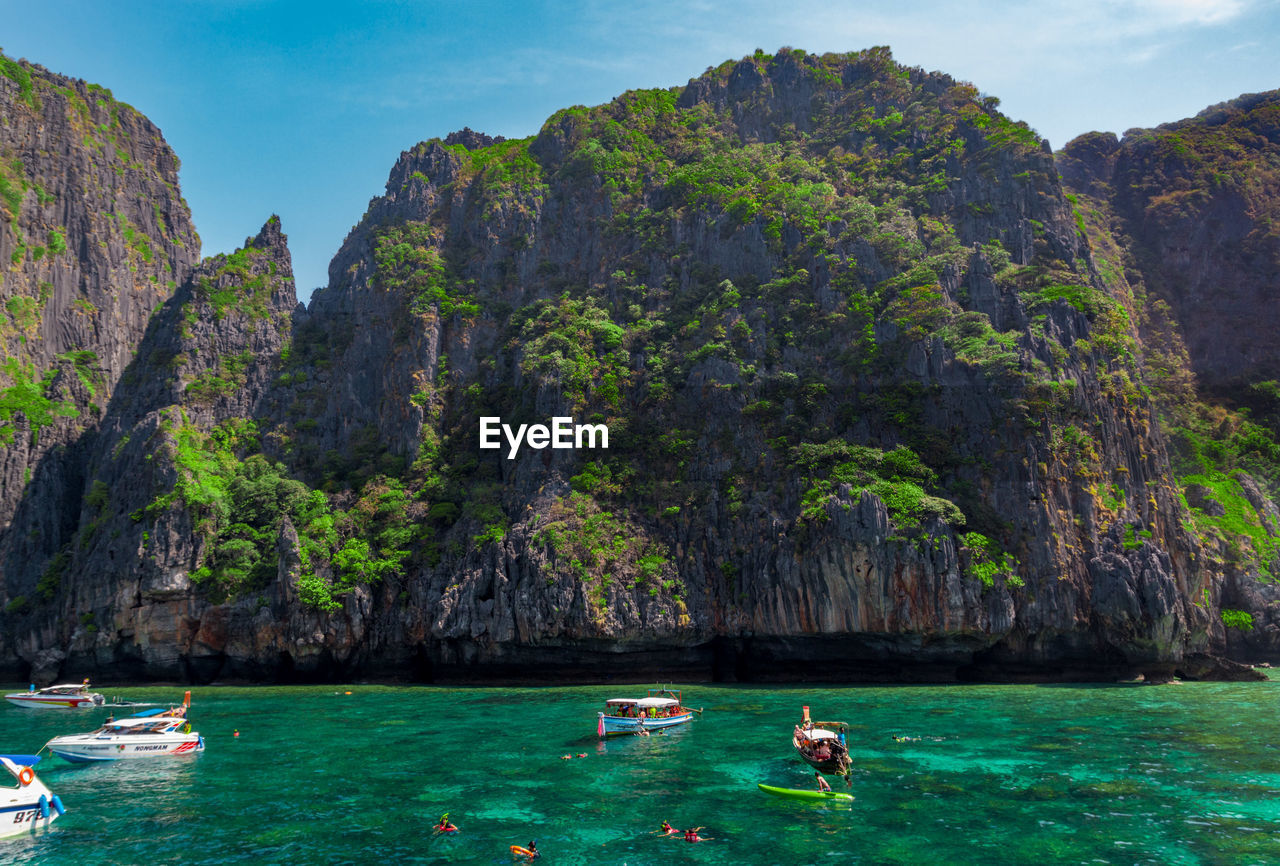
x=838, y=764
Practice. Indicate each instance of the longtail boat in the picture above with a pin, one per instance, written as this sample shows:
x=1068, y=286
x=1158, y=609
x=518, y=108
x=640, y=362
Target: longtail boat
x=822, y=745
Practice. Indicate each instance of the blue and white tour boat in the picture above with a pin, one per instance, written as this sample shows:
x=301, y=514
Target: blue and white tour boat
x=661, y=708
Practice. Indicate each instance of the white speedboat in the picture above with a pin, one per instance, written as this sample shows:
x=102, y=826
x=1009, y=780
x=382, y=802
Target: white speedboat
x=661, y=709
x=153, y=734
x=31, y=805
x=63, y=697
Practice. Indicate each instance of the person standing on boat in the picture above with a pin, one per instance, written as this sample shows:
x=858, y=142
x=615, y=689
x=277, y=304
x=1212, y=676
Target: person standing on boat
x=822, y=783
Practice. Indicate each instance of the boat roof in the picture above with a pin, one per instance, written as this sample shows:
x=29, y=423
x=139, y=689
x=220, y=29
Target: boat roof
x=146, y=714
x=135, y=722
x=820, y=734
x=657, y=702
x=642, y=702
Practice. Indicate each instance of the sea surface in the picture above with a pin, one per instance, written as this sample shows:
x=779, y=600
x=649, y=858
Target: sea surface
x=1038, y=774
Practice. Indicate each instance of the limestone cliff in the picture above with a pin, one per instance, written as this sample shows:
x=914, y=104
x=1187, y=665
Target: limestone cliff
x=93, y=238
x=1199, y=200
x=1184, y=218
x=877, y=407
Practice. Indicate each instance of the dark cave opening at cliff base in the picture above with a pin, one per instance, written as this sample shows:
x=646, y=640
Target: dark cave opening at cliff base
x=870, y=658
x=858, y=658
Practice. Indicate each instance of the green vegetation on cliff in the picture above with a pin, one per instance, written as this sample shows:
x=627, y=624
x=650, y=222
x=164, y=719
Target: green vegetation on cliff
x=31, y=398
x=774, y=245
x=407, y=262
x=240, y=501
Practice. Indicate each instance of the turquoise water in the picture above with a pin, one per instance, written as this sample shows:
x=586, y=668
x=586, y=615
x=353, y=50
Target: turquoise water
x=1177, y=774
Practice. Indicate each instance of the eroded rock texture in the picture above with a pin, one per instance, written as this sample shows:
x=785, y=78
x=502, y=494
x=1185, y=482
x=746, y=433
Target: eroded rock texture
x=877, y=408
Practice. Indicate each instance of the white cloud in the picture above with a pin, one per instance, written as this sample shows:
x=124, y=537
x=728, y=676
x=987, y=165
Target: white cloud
x=1184, y=12
x=1142, y=54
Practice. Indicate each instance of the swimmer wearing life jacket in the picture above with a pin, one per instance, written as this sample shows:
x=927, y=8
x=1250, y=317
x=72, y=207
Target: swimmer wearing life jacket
x=667, y=830
x=691, y=835
x=444, y=826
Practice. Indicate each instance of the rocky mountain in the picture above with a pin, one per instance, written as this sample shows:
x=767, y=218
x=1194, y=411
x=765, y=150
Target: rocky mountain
x=1188, y=215
x=94, y=238
x=1200, y=201
x=883, y=400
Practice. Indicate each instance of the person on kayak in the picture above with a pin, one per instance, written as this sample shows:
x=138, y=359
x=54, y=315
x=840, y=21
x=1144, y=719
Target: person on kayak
x=822, y=783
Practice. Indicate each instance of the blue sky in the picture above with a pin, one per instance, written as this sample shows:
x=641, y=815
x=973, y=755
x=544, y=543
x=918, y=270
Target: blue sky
x=301, y=109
